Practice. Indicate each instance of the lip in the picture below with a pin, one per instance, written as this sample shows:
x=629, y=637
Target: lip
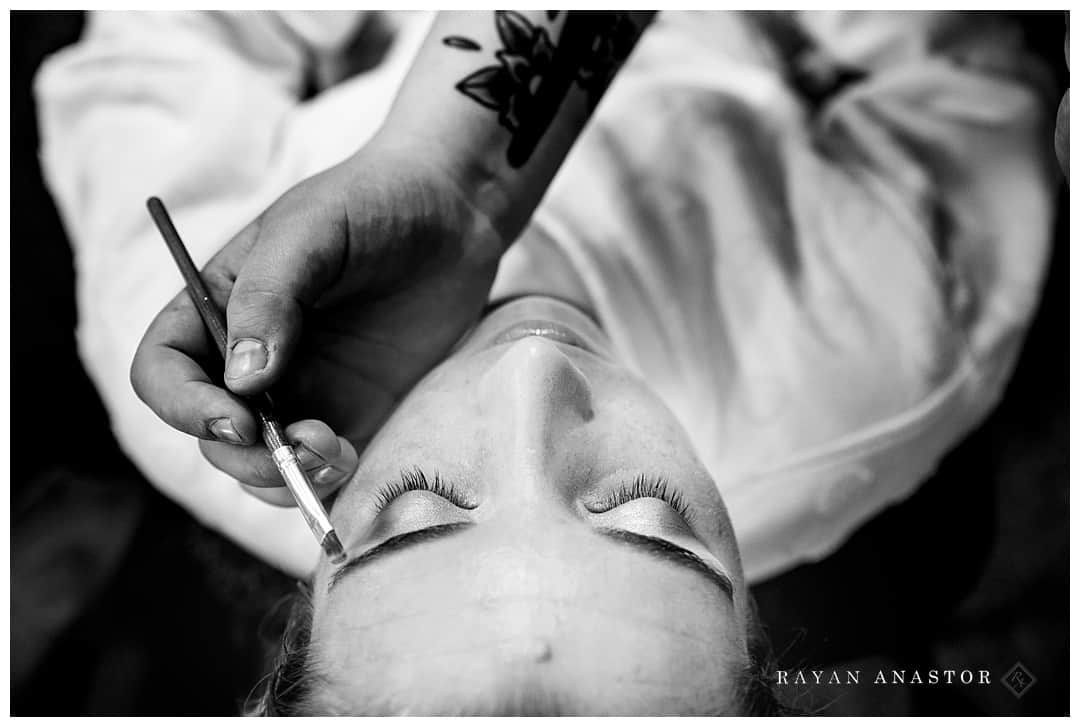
x=545, y=329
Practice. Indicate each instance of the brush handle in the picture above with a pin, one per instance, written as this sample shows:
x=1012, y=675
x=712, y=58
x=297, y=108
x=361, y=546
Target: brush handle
x=200, y=296
x=263, y=405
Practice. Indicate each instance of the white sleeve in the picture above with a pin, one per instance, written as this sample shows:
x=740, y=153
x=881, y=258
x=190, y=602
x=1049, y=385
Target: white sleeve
x=949, y=134
x=953, y=123
x=204, y=111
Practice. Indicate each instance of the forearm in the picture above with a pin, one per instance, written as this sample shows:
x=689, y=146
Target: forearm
x=497, y=99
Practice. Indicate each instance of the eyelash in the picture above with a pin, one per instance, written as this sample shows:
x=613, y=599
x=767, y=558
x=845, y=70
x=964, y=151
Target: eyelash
x=643, y=487
x=416, y=479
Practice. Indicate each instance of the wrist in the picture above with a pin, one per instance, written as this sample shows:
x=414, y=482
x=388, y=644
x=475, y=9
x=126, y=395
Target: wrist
x=475, y=178
x=430, y=198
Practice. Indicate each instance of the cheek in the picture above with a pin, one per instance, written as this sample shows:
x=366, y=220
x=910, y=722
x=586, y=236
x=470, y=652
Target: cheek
x=635, y=436
x=633, y=422
x=434, y=420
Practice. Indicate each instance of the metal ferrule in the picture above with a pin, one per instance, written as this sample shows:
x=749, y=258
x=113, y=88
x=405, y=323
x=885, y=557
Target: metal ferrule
x=302, y=491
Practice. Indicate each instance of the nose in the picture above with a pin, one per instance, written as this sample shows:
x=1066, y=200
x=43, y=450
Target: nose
x=536, y=398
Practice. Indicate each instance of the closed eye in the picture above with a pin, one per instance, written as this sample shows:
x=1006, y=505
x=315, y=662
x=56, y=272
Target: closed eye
x=416, y=479
x=643, y=487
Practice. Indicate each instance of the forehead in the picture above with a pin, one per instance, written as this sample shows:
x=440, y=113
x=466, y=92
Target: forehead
x=469, y=620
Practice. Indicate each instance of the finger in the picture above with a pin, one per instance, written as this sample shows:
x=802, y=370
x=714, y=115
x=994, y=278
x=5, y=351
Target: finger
x=167, y=377
x=280, y=496
x=328, y=460
x=295, y=258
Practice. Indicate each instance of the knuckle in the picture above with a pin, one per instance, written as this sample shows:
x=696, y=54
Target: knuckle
x=262, y=310
x=137, y=375
x=219, y=281
x=177, y=306
x=188, y=421
x=256, y=303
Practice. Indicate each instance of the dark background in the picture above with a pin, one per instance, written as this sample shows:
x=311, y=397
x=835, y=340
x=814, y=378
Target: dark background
x=123, y=605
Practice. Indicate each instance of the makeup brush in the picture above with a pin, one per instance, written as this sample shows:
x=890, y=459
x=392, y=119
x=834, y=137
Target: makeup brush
x=272, y=432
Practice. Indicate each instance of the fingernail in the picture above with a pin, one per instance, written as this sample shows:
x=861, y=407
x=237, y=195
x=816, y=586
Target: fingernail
x=224, y=430
x=308, y=457
x=247, y=357
x=327, y=475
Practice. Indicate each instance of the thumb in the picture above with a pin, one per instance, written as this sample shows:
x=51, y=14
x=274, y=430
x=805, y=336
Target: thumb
x=264, y=323
x=285, y=272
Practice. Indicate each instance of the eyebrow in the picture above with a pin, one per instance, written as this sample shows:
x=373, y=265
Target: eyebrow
x=665, y=549
x=657, y=547
x=393, y=545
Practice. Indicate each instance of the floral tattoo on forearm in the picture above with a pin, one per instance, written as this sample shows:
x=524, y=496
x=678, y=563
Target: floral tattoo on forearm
x=533, y=75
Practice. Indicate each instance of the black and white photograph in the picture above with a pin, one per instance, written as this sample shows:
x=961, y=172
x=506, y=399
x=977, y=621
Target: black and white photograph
x=496, y=362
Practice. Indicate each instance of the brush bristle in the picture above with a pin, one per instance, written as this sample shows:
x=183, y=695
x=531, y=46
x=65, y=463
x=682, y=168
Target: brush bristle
x=333, y=548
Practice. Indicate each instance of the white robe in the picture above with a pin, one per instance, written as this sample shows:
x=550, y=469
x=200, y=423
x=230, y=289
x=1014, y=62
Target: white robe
x=828, y=301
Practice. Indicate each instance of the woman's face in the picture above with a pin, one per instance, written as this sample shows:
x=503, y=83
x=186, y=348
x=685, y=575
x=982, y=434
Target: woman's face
x=531, y=532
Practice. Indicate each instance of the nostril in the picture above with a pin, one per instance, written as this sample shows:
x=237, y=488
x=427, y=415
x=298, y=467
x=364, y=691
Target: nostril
x=536, y=399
